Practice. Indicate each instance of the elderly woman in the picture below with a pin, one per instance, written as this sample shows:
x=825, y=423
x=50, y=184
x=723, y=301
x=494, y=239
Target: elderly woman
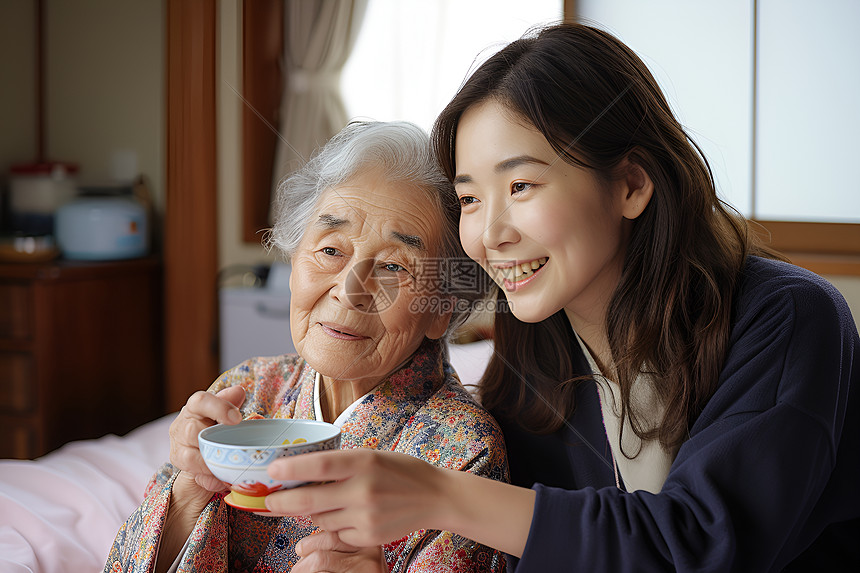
x=366, y=226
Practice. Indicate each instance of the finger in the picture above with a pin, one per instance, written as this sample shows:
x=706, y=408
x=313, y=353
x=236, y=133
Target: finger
x=351, y=528
x=201, y=411
x=334, y=465
x=188, y=459
x=322, y=541
x=185, y=453
x=360, y=528
x=319, y=563
x=356, y=538
x=307, y=499
x=184, y=445
x=210, y=482
x=233, y=394
x=215, y=407
x=187, y=491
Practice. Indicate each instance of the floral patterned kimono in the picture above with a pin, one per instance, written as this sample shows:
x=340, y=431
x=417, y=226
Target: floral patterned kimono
x=421, y=410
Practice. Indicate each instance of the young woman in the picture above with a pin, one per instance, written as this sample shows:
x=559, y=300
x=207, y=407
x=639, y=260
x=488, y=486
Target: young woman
x=672, y=397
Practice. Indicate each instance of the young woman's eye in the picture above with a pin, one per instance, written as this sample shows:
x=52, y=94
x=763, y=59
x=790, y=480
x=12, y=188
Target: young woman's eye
x=466, y=200
x=520, y=186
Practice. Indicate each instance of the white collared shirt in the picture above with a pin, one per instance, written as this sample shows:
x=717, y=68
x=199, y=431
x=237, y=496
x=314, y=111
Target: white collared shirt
x=648, y=470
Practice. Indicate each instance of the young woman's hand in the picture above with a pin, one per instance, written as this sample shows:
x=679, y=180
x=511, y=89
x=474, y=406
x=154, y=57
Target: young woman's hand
x=325, y=551
x=376, y=496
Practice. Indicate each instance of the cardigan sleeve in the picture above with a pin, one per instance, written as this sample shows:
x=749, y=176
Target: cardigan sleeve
x=758, y=480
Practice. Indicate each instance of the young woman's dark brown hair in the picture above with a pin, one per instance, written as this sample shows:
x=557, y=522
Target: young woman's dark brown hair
x=674, y=400
x=671, y=310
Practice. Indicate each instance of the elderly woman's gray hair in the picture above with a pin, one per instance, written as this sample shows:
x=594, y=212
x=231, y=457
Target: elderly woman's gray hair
x=401, y=152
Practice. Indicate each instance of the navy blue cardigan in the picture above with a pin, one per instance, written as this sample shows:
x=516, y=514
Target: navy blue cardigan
x=769, y=479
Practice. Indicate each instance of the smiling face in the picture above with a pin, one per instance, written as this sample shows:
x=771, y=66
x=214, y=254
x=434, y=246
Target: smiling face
x=548, y=232
x=362, y=263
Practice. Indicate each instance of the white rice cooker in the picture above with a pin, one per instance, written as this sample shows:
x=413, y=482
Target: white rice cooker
x=102, y=228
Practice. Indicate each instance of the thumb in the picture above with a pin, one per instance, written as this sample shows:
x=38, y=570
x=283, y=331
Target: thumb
x=234, y=394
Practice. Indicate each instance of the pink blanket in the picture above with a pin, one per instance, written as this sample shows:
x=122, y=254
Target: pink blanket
x=61, y=512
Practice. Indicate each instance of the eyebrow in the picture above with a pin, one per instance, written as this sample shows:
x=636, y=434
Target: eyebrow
x=462, y=179
x=513, y=162
x=411, y=241
x=331, y=222
x=503, y=166
x=328, y=221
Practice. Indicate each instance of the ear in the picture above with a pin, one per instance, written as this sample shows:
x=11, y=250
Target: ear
x=441, y=320
x=637, y=188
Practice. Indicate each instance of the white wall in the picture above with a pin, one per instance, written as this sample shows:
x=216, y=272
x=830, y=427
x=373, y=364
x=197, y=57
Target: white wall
x=791, y=153
x=701, y=55
x=105, y=86
x=807, y=121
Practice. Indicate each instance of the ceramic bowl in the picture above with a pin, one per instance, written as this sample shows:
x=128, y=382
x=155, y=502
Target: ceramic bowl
x=240, y=454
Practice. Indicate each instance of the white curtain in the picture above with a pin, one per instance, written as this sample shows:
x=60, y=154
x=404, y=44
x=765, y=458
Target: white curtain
x=318, y=38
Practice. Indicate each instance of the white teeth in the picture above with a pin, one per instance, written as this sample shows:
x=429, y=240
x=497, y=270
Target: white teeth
x=517, y=272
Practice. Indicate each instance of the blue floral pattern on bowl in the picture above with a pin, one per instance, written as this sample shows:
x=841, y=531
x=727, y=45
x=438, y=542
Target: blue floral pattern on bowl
x=240, y=454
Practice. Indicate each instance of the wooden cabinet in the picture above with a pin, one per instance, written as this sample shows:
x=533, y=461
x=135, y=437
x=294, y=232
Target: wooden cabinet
x=80, y=351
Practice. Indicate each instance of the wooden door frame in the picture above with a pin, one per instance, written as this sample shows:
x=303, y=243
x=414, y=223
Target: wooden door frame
x=262, y=85
x=190, y=213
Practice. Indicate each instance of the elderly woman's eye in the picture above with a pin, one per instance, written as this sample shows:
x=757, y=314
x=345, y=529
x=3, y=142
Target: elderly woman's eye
x=330, y=251
x=393, y=267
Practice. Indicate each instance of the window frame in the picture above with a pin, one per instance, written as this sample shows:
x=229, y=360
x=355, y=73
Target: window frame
x=823, y=248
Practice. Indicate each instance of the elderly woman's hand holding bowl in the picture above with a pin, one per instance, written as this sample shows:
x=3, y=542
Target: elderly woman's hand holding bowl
x=370, y=227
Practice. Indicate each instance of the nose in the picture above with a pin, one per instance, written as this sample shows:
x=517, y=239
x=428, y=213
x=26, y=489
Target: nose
x=354, y=288
x=499, y=229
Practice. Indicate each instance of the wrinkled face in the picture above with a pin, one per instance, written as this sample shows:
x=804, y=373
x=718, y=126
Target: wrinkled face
x=546, y=231
x=360, y=279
